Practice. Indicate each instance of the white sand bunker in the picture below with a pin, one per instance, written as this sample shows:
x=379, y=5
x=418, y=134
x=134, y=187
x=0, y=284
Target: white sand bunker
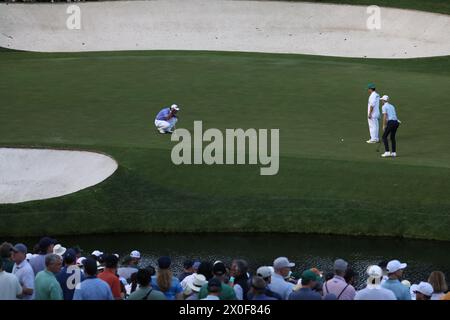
x=223, y=25
x=33, y=174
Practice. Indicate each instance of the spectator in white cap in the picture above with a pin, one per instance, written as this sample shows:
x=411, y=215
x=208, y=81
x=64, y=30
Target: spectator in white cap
x=23, y=271
x=337, y=285
x=395, y=272
x=166, y=119
x=195, y=286
x=265, y=272
x=282, y=266
x=373, y=290
x=135, y=258
x=59, y=250
x=96, y=254
x=422, y=291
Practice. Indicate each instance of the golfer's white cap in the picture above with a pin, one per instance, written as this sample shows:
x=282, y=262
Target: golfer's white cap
x=174, y=107
x=395, y=265
x=135, y=254
x=424, y=288
x=385, y=98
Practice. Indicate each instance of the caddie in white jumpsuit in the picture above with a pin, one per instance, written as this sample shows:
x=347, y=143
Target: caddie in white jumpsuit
x=373, y=114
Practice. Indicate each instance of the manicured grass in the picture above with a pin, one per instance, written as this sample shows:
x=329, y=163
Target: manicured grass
x=437, y=6
x=108, y=101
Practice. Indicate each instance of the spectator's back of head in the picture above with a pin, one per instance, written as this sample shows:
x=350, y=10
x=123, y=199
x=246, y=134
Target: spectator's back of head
x=70, y=257
x=143, y=277
x=90, y=266
x=340, y=266
x=437, y=280
x=5, y=250
x=111, y=261
x=214, y=285
x=258, y=284
x=219, y=269
x=205, y=268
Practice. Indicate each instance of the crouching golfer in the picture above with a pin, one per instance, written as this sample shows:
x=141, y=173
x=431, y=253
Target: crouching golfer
x=166, y=119
x=390, y=126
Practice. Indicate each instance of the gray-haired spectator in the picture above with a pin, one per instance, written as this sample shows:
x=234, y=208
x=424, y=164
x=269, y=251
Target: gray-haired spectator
x=395, y=272
x=46, y=285
x=5, y=256
x=92, y=288
x=45, y=246
x=373, y=290
x=437, y=280
x=240, y=278
x=337, y=285
x=23, y=271
x=145, y=290
x=309, y=281
x=9, y=285
x=282, y=266
x=258, y=289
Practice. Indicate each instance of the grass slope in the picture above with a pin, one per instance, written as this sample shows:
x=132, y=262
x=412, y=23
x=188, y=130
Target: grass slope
x=107, y=102
x=437, y=6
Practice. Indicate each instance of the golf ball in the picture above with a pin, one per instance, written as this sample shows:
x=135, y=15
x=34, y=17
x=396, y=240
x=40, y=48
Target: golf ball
x=342, y=139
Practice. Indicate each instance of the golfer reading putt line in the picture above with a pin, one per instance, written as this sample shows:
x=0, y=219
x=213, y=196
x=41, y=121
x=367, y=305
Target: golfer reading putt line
x=390, y=126
x=166, y=119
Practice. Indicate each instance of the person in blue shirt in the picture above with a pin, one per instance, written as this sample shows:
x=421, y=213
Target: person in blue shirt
x=390, y=126
x=166, y=119
x=395, y=272
x=92, y=288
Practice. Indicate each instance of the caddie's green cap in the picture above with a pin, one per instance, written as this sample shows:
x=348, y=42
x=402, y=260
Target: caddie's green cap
x=371, y=86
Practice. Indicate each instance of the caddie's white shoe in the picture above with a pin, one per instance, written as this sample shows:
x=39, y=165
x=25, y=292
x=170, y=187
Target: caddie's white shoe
x=386, y=154
x=393, y=154
x=161, y=131
x=372, y=141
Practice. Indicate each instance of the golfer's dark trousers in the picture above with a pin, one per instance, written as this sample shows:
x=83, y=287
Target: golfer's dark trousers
x=391, y=129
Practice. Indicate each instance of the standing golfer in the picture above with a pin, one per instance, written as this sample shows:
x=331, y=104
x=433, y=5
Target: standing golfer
x=373, y=114
x=166, y=119
x=390, y=126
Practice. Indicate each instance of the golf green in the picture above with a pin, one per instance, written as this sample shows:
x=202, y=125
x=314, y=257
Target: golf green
x=330, y=181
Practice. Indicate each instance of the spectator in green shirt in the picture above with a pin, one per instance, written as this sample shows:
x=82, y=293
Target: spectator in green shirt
x=227, y=292
x=46, y=285
x=145, y=290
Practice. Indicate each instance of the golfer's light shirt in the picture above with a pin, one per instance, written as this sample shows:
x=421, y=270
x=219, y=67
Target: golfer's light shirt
x=400, y=290
x=163, y=114
x=374, y=101
x=389, y=109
